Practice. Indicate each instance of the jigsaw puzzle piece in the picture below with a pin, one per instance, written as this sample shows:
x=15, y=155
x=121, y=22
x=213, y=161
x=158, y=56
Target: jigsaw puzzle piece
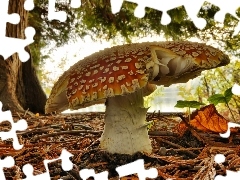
x=28, y=171
x=220, y=158
x=116, y=5
x=7, y=162
x=13, y=45
x=236, y=89
x=19, y=125
x=5, y=17
x=87, y=173
x=230, y=175
x=192, y=8
x=226, y=7
x=237, y=29
x=29, y=5
x=164, y=7
x=137, y=167
x=67, y=165
x=227, y=134
x=52, y=14
x=75, y=3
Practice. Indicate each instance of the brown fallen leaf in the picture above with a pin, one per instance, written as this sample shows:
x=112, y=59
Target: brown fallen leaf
x=209, y=120
x=206, y=119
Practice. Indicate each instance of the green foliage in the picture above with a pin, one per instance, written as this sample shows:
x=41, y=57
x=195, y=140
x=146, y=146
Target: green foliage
x=150, y=124
x=94, y=18
x=213, y=82
x=214, y=99
x=221, y=98
x=188, y=104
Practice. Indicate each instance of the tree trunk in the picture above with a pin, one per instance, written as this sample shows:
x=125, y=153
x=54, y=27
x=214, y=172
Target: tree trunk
x=19, y=85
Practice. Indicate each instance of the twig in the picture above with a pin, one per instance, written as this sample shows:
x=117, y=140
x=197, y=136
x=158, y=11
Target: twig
x=65, y=132
x=194, y=133
x=19, y=115
x=161, y=133
x=177, y=146
x=26, y=112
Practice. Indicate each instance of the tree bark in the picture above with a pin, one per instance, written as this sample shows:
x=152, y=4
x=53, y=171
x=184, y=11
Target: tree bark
x=19, y=86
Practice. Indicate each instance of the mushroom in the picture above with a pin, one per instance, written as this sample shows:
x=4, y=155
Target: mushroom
x=121, y=76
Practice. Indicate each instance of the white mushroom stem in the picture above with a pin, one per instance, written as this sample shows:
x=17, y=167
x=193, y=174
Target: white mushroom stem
x=125, y=130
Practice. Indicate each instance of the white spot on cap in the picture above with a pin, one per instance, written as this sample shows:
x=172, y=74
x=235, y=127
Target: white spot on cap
x=137, y=65
x=88, y=74
x=87, y=87
x=119, y=61
x=72, y=80
x=106, y=70
x=105, y=87
x=102, y=79
x=124, y=89
x=121, y=77
x=111, y=80
x=82, y=81
x=95, y=71
x=115, y=68
x=128, y=60
x=124, y=67
x=75, y=101
x=95, y=85
x=80, y=87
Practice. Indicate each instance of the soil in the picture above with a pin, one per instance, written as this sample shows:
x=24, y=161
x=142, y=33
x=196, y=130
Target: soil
x=177, y=153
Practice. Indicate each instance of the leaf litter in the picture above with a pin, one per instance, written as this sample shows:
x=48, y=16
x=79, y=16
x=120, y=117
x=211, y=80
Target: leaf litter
x=179, y=151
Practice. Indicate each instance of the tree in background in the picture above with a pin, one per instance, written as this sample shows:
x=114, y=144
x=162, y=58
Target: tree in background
x=19, y=86
x=216, y=81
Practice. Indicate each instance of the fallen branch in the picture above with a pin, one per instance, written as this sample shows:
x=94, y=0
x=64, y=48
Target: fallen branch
x=66, y=132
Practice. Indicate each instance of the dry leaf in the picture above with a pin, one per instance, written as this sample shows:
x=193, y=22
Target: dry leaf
x=180, y=128
x=208, y=119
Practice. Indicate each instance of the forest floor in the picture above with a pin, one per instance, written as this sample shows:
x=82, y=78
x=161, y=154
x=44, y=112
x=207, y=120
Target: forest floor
x=177, y=153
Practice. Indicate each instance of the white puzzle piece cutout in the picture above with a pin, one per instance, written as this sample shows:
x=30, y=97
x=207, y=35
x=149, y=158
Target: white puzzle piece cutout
x=230, y=175
x=7, y=49
x=87, y=173
x=75, y=3
x=192, y=9
x=18, y=126
x=236, y=89
x=52, y=14
x=7, y=162
x=28, y=5
x=9, y=45
x=137, y=167
x=66, y=164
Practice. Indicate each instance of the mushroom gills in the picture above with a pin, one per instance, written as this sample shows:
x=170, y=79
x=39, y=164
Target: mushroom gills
x=173, y=64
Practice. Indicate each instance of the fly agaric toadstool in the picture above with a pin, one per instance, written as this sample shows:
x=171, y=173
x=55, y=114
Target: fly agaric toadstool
x=121, y=75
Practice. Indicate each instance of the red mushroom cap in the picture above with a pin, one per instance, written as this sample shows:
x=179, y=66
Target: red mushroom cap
x=126, y=68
